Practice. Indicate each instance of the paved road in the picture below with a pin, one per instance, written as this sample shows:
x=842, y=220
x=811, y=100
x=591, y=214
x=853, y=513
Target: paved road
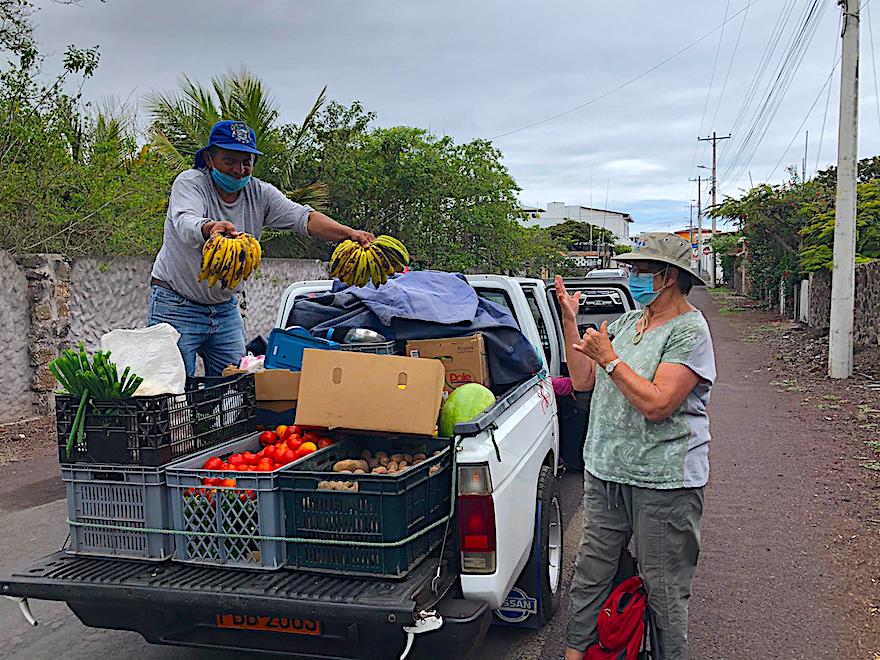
x=763, y=586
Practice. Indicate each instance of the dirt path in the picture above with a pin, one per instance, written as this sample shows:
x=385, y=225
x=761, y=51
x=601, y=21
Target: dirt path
x=789, y=566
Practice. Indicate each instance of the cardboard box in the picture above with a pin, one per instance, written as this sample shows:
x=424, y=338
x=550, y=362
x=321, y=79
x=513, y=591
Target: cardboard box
x=277, y=391
x=464, y=358
x=342, y=389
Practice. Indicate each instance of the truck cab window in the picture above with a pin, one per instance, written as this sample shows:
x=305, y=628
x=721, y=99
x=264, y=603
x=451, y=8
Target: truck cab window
x=539, y=321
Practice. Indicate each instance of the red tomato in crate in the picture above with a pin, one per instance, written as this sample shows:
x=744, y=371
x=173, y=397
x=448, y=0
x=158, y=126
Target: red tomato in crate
x=310, y=436
x=266, y=465
x=249, y=458
x=294, y=444
x=289, y=457
x=210, y=481
x=227, y=468
x=227, y=483
x=296, y=430
x=236, y=460
x=268, y=438
x=212, y=463
x=323, y=443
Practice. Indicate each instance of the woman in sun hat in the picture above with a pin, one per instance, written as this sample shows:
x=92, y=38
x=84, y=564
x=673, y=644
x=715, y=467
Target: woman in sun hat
x=646, y=457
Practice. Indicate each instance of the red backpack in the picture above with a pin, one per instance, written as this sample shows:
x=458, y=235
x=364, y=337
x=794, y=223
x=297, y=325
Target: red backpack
x=621, y=623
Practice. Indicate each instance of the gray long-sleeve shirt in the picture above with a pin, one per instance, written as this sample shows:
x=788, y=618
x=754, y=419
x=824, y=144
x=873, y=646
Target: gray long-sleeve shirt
x=195, y=201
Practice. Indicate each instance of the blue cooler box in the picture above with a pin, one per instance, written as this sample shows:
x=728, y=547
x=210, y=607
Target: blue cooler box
x=285, y=349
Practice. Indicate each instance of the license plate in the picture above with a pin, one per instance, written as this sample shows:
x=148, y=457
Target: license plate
x=279, y=624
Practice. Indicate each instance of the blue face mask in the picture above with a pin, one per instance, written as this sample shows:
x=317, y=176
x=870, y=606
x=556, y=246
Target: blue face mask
x=642, y=288
x=229, y=183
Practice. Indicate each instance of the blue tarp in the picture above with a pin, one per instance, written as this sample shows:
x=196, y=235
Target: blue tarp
x=425, y=305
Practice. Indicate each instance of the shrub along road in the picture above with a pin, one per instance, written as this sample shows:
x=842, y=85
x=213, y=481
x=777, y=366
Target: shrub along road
x=791, y=534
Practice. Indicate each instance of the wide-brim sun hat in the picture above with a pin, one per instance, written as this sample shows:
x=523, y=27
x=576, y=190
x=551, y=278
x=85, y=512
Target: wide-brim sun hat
x=232, y=135
x=663, y=248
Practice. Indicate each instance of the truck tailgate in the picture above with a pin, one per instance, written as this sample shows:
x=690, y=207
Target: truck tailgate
x=173, y=603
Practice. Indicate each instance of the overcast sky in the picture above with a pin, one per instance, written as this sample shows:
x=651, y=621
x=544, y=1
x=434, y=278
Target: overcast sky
x=483, y=68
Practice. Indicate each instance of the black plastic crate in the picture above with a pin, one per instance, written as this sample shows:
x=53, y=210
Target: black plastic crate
x=386, y=508
x=155, y=430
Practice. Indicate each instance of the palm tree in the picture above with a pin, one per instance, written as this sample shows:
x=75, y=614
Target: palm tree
x=181, y=123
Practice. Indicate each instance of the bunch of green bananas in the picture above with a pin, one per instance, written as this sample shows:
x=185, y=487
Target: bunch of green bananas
x=229, y=260
x=356, y=265
x=97, y=380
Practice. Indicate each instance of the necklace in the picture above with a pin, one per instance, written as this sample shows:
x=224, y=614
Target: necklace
x=641, y=326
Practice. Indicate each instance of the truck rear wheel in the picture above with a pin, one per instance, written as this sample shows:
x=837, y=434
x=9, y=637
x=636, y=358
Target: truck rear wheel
x=548, y=543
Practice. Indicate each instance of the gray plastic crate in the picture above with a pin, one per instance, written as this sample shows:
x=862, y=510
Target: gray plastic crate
x=122, y=495
x=223, y=511
x=377, y=348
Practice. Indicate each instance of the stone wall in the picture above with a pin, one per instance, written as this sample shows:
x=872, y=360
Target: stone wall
x=113, y=293
x=262, y=293
x=820, y=299
x=107, y=294
x=866, y=324
x=50, y=303
x=16, y=400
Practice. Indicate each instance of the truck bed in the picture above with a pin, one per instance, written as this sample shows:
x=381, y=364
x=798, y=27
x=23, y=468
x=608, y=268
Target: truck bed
x=173, y=603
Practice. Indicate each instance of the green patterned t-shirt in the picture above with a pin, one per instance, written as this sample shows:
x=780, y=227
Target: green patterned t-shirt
x=621, y=444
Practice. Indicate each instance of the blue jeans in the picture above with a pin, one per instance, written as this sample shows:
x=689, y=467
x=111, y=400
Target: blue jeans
x=216, y=332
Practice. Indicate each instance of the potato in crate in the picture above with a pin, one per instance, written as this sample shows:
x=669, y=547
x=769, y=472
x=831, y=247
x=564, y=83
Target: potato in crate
x=368, y=489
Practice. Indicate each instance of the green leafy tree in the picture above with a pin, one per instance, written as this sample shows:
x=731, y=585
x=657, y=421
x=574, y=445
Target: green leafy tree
x=74, y=181
x=574, y=235
x=453, y=205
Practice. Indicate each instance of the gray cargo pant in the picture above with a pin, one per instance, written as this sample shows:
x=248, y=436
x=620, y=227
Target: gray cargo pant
x=665, y=526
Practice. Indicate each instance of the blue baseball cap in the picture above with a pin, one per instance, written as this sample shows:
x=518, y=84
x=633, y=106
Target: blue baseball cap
x=232, y=135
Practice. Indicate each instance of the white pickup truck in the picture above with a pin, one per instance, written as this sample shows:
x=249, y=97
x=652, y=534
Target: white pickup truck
x=501, y=562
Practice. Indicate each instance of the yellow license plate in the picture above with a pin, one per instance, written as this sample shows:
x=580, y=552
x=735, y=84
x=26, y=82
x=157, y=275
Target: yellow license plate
x=279, y=624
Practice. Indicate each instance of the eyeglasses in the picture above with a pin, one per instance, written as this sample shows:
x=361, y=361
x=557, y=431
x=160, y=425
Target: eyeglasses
x=647, y=270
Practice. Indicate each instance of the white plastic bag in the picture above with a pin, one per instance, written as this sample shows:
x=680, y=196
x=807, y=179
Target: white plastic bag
x=152, y=354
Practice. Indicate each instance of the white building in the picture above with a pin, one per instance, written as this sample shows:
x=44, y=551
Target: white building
x=558, y=212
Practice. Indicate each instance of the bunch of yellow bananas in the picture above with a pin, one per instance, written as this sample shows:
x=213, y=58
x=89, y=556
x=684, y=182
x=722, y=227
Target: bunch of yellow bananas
x=229, y=260
x=356, y=265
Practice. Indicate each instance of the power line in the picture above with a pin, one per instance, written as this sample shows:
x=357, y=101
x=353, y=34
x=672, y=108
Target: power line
x=775, y=91
x=711, y=82
x=809, y=112
x=827, y=99
x=873, y=64
x=787, y=67
x=761, y=69
x=730, y=65
x=628, y=82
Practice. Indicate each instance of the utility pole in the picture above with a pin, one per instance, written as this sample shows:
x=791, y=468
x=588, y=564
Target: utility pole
x=714, y=140
x=691, y=227
x=840, y=336
x=699, y=181
x=804, y=166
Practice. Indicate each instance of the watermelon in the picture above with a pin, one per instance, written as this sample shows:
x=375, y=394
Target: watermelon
x=464, y=403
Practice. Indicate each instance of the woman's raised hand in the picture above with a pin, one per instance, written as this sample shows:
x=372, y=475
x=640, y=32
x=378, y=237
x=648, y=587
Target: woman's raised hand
x=567, y=302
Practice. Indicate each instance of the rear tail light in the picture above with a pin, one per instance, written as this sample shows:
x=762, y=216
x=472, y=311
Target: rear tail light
x=477, y=533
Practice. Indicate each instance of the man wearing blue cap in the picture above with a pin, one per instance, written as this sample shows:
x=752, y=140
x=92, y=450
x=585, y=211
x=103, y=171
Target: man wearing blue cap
x=220, y=195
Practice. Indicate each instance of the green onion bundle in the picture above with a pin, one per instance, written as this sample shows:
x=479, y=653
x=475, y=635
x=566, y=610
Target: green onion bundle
x=97, y=380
